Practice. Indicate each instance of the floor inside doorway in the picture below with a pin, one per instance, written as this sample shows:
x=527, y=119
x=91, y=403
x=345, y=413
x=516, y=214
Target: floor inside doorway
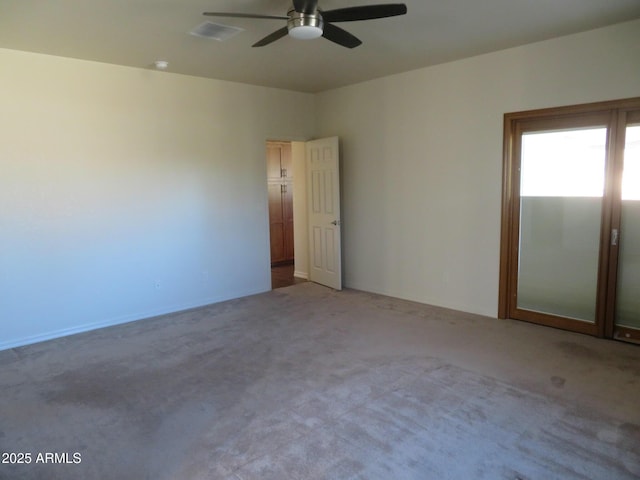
x=282, y=276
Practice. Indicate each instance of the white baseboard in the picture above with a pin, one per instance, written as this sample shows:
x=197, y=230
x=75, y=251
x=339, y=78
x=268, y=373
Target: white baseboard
x=64, y=332
x=303, y=275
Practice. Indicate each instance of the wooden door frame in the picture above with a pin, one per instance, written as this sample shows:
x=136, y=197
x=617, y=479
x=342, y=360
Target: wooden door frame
x=605, y=302
x=627, y=114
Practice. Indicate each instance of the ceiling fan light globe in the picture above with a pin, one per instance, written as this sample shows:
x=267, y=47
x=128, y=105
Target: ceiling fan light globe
x=303, y=26
x=305, y=32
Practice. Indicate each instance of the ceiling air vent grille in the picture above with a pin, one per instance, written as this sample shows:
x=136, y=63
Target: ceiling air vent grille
x=215, y=31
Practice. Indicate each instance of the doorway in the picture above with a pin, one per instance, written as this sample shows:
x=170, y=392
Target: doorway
x=287, y=212
x=280, y=189
x=570, y=255
x=303, y=181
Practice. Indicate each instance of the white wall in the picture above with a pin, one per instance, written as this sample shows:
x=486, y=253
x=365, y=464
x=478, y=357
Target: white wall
x=422, y=159
x=126, y=193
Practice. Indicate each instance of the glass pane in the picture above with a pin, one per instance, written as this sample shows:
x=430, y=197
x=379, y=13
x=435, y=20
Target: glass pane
x=561, y=188
x=628, y=290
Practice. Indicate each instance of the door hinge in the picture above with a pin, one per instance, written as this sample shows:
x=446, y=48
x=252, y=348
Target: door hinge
x=283, y=172
x=614, y=237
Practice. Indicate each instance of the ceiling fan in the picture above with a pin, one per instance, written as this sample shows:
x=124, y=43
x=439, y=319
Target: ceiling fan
x=306, y=21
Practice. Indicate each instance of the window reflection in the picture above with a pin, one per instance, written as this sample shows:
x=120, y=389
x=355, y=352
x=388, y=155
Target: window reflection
x=563, y=163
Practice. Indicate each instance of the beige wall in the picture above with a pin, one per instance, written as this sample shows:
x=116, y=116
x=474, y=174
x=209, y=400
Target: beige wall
x=126, y=193
x=422, y=159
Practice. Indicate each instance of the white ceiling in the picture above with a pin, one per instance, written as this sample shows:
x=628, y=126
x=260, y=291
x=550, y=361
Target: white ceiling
x=138, y=32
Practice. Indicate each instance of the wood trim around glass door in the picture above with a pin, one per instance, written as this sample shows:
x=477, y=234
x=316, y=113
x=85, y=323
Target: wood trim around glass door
x=629, y=115
x=601, y=113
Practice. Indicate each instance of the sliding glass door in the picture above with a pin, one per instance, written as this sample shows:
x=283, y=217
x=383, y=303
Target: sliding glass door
x=571, y=219
x=561, y=190
x=627, y=228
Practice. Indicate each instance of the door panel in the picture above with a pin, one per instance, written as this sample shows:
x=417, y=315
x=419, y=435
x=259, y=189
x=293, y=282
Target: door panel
x=323, y=181
x=274, y=161
x=561, y=190
x=276, y=223
x=287, y=212
x=627, y=311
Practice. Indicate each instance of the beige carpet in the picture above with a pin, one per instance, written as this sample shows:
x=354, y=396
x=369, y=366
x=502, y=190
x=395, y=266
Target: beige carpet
x=307, y=383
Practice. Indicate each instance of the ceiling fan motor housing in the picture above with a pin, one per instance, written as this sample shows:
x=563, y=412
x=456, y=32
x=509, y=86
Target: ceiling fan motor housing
x=305, y=26
x=306, y=21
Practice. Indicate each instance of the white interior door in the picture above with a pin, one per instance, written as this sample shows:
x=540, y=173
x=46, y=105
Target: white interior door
x=323, y=187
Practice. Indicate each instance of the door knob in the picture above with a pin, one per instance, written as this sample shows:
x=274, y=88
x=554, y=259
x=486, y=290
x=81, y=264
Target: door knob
x=335, y=222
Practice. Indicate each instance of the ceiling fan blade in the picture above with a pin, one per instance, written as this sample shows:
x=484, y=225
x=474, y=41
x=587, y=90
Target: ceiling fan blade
x=243, y=15
x=340, y=36
x=367, y=12
x=305, y=6
x=278, y=34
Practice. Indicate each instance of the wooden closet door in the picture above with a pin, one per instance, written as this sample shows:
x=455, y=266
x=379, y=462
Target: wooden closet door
x=280, y=187
x=287, y=216
x=274, y=164
x=276, y=223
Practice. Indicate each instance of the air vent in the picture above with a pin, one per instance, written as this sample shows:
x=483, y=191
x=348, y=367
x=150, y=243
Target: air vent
x=215, y=31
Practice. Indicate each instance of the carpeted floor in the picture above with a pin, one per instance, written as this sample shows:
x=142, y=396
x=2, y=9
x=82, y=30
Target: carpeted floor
x=308, y=383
